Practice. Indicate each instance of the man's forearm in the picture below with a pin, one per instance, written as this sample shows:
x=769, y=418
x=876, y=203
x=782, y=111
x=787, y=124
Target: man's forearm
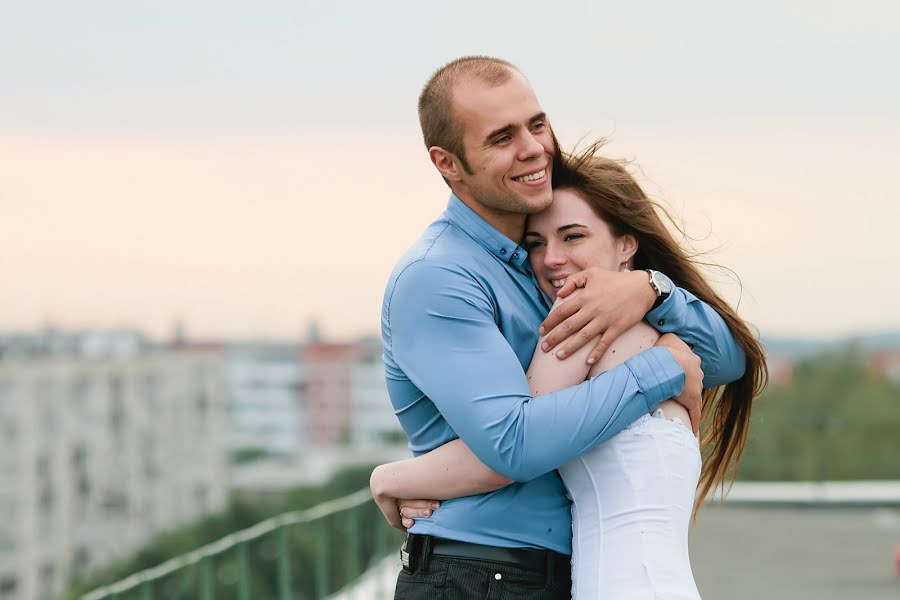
x=705, y=331
x=548, y=431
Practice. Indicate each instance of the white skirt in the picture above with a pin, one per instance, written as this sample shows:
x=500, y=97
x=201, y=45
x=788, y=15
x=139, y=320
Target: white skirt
x=632, y=498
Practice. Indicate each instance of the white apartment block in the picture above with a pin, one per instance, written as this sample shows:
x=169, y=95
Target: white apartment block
x=100, y=453
x=265, y=391
x=372, y=420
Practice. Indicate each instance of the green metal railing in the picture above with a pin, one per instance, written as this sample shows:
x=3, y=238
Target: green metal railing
x=307, y=555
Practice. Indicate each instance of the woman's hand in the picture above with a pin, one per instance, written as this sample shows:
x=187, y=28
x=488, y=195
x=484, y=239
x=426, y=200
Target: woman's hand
x=400, y=514
x=410, y=510
x=610, y=303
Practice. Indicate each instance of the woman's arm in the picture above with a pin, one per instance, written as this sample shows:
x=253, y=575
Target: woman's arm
x=452, y=470
x=449, y=471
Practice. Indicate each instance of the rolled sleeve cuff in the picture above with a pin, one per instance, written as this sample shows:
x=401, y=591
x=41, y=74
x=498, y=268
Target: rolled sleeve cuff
x=658, y=375
x=670, y=315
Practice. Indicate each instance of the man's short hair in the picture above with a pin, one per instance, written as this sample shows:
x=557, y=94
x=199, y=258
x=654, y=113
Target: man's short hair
x=436, y=100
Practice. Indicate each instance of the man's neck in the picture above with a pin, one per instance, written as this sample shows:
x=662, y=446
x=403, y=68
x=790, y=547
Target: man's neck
x=510, y=224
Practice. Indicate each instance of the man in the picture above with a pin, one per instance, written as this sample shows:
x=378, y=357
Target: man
x=459, y=325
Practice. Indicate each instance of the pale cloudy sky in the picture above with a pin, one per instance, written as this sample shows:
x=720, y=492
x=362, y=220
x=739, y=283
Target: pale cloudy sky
x=247, y=167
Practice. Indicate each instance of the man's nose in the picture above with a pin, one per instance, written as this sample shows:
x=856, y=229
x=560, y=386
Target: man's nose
x=531, y=147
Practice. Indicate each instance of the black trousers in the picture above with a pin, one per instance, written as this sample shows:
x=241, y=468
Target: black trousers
x=435, y=577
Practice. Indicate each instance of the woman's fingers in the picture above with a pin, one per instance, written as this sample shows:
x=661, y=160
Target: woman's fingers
x=417, y=509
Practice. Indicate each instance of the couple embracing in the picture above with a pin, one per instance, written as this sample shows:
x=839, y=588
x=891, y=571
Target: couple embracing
x=548, y=349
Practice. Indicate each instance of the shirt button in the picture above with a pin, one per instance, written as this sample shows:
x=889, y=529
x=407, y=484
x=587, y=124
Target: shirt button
x=502, y=250
x=661, y=322
x=515, y=255
x=498, y=576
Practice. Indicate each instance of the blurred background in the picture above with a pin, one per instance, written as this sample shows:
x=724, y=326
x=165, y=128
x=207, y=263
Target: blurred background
x=200, y=204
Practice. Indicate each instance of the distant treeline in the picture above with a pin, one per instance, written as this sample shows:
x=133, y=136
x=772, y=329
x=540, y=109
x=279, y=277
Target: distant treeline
x=835, y=420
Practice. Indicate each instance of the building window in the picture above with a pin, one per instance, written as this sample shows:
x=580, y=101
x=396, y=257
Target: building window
x=46, y=579
x=82, y=560
x=116, y=404
x=8, y=586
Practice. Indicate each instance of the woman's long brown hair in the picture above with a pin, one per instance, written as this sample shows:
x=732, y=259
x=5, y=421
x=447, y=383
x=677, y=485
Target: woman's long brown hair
x=616, y=196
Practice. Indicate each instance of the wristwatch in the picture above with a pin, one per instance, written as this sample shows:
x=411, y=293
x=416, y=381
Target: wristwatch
x=660, y=284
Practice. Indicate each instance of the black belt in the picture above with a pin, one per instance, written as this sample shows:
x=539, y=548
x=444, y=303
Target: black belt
x=420, y=547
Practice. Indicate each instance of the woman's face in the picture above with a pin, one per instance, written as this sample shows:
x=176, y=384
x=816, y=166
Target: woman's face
x=569, y=237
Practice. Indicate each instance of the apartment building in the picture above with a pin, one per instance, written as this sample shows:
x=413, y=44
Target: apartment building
x=103, y=447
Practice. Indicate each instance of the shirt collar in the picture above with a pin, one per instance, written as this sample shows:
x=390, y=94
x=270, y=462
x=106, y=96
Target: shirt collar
x=484, y=233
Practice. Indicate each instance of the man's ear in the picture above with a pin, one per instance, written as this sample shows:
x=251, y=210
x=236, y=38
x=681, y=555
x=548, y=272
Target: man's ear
x=446, y=163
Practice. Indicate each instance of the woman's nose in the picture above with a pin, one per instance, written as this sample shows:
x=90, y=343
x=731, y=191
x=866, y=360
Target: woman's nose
x=553, y=257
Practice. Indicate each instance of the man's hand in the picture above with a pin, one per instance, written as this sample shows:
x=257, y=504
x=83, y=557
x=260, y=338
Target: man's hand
x=691, y=396
x=610, y=303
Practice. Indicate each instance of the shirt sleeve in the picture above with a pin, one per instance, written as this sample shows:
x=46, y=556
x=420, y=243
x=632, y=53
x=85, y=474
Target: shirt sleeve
x=446, y=340
x=705, y=331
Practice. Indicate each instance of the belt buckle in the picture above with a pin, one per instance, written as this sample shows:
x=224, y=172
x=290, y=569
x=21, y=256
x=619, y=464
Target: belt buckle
x=404, y=553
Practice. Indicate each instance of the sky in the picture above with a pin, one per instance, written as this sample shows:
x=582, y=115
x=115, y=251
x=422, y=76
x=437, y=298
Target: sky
x=249, y=168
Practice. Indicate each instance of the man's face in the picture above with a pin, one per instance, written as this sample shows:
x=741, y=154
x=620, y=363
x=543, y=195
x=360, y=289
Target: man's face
x=509, y=147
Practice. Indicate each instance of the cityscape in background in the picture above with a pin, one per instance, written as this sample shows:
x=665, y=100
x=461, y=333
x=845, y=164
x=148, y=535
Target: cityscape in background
x=110, y=438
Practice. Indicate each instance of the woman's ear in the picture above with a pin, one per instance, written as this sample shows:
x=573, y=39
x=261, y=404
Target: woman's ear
x=627, y=247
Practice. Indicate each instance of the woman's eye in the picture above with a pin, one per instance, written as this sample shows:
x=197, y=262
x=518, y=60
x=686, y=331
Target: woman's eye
x=532, y=245
x=538, y=126
x=573, y=236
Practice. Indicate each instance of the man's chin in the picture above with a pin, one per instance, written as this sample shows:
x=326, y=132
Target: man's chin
x=538, y=202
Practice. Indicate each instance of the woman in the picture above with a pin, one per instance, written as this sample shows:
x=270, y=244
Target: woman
x=634, y=495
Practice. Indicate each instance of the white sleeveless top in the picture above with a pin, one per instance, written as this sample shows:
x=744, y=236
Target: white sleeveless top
x=632, y=500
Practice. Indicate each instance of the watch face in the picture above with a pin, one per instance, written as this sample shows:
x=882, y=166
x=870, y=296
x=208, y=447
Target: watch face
x=661, y=283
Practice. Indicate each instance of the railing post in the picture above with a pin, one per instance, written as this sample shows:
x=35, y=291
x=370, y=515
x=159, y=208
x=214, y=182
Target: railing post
x=209, y=578
x=243, y=572
x=353, y=568
x=322, y=558
x=146, y=590
x=284, y=563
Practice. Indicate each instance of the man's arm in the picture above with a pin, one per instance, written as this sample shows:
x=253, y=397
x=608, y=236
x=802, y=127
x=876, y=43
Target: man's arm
x=595, y=311
x=705, y=332
x=445, y=339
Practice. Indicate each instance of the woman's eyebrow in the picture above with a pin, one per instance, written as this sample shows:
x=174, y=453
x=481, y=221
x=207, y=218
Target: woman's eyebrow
x=563, y=228
x=570, y=226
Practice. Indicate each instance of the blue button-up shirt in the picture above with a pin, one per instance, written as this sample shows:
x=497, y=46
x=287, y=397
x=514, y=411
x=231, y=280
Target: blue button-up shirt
x=459, y=326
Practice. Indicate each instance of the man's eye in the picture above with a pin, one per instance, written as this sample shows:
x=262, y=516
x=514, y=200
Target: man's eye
x=503, y=139
x=538, y=126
